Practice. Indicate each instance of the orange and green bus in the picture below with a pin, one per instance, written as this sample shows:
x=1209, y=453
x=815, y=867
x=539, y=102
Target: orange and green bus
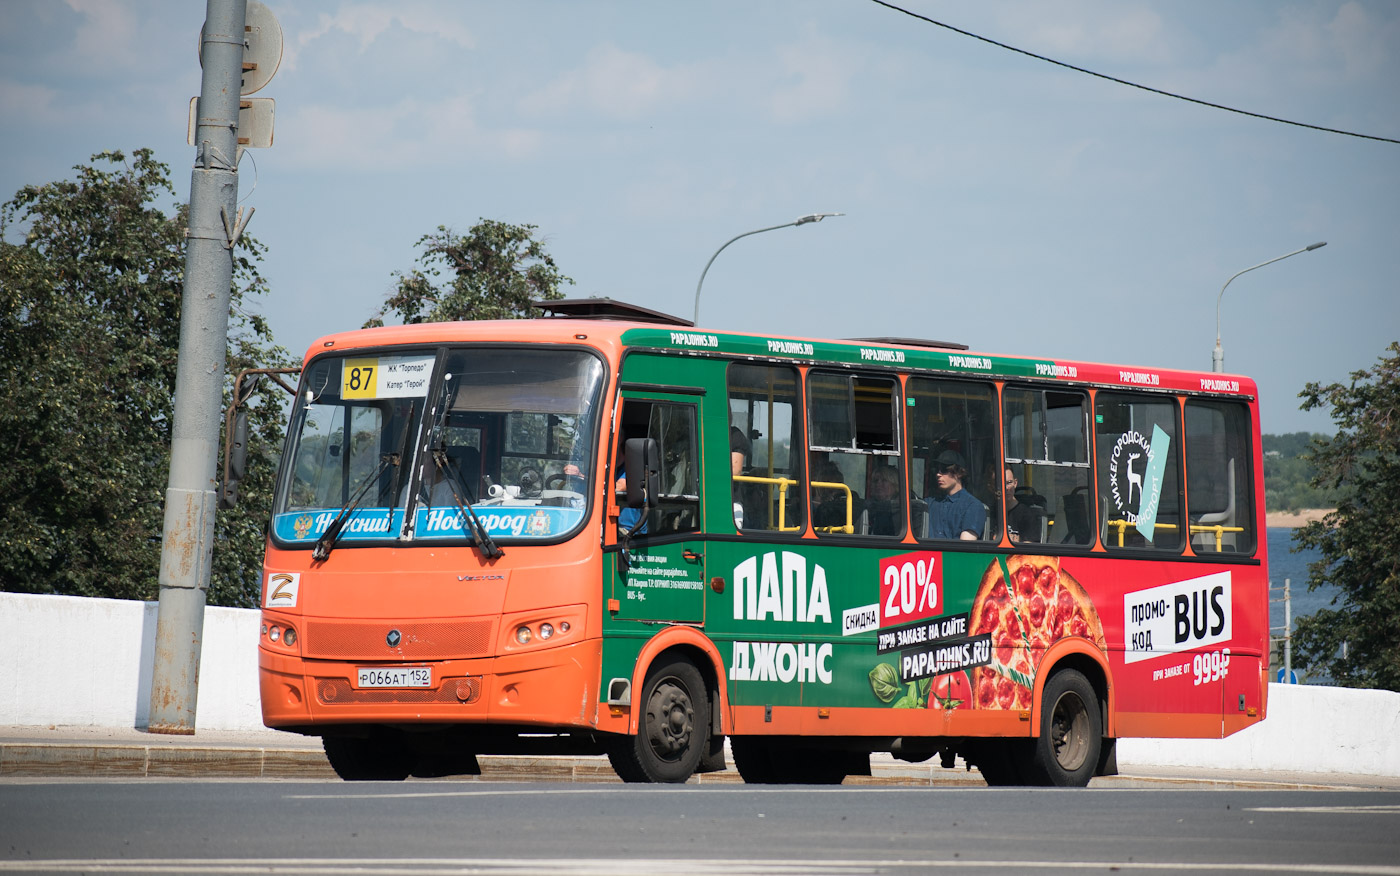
x=608, y=531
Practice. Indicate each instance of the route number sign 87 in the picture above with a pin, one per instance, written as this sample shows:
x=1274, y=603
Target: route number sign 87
x=359, y=379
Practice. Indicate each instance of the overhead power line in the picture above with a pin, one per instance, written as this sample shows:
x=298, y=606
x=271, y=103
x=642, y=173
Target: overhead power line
x=1228, y=109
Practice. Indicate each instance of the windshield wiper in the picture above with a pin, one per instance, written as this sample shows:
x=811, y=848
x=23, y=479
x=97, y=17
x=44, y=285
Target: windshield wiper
x=327, y=541
x=457, y=484
x=453, y=475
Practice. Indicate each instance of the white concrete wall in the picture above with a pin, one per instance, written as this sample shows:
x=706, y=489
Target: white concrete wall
x=71, y=661
x=1309, y=728
x=66, y=660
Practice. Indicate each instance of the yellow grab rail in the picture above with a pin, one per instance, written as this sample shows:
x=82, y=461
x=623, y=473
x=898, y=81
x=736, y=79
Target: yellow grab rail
x=1197, y=528
x=850, y=507
x=782, y=485
x=1123, y=525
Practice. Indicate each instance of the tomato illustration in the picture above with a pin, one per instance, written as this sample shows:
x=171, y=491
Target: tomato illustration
x=951, y=691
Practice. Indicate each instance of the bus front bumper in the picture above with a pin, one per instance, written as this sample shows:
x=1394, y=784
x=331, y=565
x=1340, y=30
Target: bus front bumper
x=549, y=688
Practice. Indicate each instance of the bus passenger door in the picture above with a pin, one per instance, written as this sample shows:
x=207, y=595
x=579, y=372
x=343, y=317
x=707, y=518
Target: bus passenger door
x=665, y=580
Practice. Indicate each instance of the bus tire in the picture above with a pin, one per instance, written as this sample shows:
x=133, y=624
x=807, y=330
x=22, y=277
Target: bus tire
x=1066, y=753
x=1004, y=762
x=673, y=731
x=376, y=758
x=753, y=758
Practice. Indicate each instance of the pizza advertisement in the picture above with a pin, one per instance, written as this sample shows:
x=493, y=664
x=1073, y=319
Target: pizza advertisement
x=999, y=615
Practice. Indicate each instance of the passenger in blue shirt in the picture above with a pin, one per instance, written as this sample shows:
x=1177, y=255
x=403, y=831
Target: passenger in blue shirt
x=956, y=514
x=627, y=517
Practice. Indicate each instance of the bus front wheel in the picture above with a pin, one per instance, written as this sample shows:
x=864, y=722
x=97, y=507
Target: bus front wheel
x=673, y=730
x=377, y=758
x=1066, y=753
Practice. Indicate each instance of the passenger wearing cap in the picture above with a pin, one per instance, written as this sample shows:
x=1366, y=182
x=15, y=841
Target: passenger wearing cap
x=956, y=514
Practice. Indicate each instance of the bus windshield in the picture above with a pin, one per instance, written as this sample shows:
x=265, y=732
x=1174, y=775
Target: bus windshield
x=403, y=444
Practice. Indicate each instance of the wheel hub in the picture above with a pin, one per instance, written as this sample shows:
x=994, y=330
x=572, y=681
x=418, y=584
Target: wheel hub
x=674, y=720
x=1069, y=727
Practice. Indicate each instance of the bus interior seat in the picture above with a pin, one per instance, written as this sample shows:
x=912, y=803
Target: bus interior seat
x=1206, y=540
x=1074, y=508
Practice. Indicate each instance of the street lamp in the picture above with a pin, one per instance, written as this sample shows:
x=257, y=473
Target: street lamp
x=810, y=217
x=1217, y=357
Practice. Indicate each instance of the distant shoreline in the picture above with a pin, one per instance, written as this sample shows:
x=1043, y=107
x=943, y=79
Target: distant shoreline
x=1295, y=519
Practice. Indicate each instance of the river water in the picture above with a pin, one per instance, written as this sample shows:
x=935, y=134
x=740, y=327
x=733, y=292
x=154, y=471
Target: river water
x=1285, y=564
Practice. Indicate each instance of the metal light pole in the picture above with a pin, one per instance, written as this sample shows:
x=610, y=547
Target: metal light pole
x=1217, y=359
x=810, y=217
x=190, y=499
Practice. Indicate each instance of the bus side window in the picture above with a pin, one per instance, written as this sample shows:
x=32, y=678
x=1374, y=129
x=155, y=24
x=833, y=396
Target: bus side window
x=1047, y=440
x=1139, y=475
x=677, y=506
x=1219, y=500
x=853, y=424
x=953, y=428
x=765, y=406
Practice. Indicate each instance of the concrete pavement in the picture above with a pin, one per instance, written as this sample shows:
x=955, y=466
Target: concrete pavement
x=104, y=752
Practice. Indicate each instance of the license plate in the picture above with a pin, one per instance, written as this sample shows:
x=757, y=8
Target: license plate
x=407, y=676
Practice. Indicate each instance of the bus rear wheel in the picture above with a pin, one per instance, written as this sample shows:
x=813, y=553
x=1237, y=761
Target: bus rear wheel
x=1066, y=753
x=673, y=731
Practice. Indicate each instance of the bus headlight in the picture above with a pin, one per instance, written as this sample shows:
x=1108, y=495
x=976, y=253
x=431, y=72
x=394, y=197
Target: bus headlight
x=522, y=635
x=546, y=630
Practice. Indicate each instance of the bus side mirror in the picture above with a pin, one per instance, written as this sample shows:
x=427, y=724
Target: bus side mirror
x=642, y=459
x=236, y=450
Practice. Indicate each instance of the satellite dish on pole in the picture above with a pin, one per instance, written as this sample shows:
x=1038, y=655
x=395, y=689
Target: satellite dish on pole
x=262, y=47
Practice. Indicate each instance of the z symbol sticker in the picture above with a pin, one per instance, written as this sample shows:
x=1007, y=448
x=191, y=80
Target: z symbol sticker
x=282, y=590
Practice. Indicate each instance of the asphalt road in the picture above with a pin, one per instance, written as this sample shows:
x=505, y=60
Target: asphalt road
x=295, y=827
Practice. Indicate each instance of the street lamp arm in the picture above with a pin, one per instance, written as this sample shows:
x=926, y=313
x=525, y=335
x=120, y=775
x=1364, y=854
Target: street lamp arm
x=1218, y=358
x=803, y=220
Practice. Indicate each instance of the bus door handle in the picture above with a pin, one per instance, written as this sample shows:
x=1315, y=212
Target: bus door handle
x=691, y=556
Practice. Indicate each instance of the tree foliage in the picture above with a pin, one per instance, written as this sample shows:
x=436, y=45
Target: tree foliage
x=89, y=334
x=1360, y=541
x=496, y=271
x=1288, y=475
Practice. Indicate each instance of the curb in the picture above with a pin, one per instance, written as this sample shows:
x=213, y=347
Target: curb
x=48, y=760
x=80, y=760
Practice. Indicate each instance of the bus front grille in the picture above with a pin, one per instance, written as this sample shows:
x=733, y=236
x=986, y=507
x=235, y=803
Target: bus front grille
x=414, y=640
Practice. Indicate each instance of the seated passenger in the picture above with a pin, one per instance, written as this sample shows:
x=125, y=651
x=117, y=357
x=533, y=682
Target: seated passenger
x=955, y=513
x=883, y=511
x=828, y=503
x=1022, y=519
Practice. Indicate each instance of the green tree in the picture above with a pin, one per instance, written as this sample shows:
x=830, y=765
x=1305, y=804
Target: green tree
x=1288, y=474
x=89, y=333
x=1359, y=542
x=498, y=271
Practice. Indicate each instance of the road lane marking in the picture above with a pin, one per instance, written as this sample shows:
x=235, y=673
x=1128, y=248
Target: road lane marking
x=639, y=867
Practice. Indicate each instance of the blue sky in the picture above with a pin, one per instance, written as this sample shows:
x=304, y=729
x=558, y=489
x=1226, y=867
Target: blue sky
x=990, y=198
